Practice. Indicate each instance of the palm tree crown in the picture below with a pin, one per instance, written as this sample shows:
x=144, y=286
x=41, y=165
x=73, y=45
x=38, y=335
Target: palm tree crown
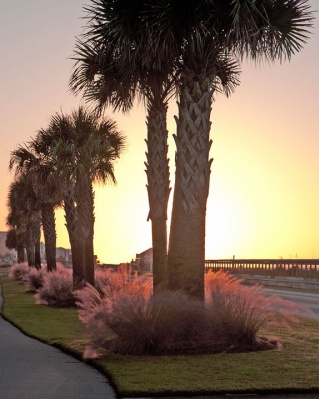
x=200, y=44
x=82, y=149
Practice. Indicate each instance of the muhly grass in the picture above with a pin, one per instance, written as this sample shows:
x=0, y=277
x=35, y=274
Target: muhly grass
x=123, y=317
x=57, y=289
x=19, y=271
x=53, y=288
x=294, y=367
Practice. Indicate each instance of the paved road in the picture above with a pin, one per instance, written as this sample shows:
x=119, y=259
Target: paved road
x=30, y=369
x=304, y=298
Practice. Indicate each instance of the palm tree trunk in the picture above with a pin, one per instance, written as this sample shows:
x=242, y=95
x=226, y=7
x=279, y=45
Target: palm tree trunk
x=72, y=227
x=186, y=255
x=48, y=223
x=20, y=253
x=157, y=171
x=30, y=245
x=21, y=247
x=85, y=208
x=37, y=237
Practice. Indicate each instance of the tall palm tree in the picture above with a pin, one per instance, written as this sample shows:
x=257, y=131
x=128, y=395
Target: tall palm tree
x=108, y=76
x=112, y=66
x=83, y=149
x=44, y=143
x=13, y=242
x=197, y=33
x=258, y=29
x=111, y=70
x=26, y=159
x=16, y=237
x=24, y=216
x=201, y=36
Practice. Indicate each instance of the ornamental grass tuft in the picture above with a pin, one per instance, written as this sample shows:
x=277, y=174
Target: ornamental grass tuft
x=19, y=271
x=34, y=279
x=122, y=316
x=57, y=289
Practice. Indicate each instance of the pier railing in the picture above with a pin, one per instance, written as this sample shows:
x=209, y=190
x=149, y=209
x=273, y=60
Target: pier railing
x=306, y=268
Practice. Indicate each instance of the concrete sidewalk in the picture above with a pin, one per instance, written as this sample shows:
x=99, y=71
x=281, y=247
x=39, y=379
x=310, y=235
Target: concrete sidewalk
x=30, y=369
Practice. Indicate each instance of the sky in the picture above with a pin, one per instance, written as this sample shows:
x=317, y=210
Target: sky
x=264, y=192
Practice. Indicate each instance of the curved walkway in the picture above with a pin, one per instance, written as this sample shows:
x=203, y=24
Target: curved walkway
x=30, y=369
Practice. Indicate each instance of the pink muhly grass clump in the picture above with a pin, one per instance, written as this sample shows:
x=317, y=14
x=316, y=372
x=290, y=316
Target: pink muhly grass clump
x=236, y=313
x=57, y=289
x=137, y=323
x=109, y=283
x=122, y=316
x=34, y=280
x=19, y=271
x=164, y=324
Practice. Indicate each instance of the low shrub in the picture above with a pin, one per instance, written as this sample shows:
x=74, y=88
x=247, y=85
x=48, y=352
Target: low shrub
x=57, y=289
x=34, y=279
x=165, y=324
x=97, y=305
x=19, y=271
x=122, y=316
x=235, y=313
x=30, y=276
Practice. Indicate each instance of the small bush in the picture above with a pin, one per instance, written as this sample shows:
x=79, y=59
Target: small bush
x=34, y=279
x=56, y=289
x=235, y=313
x=97, y=304
x=164, y=324
x=122, y=316
x=139, y=324
x=19, y=271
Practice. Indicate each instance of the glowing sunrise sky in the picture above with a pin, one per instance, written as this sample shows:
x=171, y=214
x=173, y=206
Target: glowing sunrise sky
x=264, y=196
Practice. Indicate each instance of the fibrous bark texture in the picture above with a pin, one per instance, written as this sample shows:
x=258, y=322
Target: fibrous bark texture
x=187, y=235
x=157, y=171
x=71, y=220
x=85, y=214
x=33, y=243
x=37, y=238
x=48, y=224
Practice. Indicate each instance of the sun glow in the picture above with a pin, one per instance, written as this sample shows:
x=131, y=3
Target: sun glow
x=264, y=190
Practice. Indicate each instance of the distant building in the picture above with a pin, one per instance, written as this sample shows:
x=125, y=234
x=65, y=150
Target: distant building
x=145, y=260
x=63, y=255
x=7, y=256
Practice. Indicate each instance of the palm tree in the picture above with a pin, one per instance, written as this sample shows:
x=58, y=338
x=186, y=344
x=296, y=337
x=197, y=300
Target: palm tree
x=15, y=239
x=108, y=76
x=200, y=36
x=111, y=69
x=198, y=33
x=44, y=143
x=83, y=149
x=12, y=243
x=24, y=216
x=270, y=29
x=27, y=159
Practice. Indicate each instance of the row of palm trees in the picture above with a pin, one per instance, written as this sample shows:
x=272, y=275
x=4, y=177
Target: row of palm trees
x=151, y=51
x=58, y=168
x=190, y=50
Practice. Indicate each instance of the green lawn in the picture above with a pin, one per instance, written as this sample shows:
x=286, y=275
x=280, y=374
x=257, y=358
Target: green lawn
x=295, y=367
